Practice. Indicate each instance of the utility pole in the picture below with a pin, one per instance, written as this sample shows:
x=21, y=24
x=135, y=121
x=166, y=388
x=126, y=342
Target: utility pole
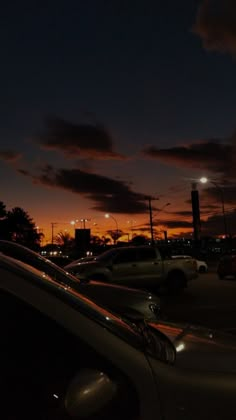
x=196, y=217
x=150, y=218
x=53, y=224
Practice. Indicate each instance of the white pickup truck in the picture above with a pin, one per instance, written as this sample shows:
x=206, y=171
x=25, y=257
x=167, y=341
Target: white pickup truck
x=136, y=266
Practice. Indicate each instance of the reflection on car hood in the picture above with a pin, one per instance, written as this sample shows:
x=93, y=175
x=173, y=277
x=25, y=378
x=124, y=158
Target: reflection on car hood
x=200, y=348
x=141, y=293
x=82, y=265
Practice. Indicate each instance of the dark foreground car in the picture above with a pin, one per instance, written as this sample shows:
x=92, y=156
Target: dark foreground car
x=119, y=299
x=62, y=356
x=59, y=260
x=227, y=266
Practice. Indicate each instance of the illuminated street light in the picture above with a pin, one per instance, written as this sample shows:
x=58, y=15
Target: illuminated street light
x=109, y=216
x=73, y=222
x=84, y=222
x=205, y=180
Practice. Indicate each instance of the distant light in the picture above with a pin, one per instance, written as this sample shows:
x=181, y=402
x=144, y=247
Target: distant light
x=107, y=318
x=203, y=180
x=55, y=396
x=107, y=216
x=180, y=347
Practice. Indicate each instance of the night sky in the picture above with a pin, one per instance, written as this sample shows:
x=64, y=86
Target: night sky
x=106, y=102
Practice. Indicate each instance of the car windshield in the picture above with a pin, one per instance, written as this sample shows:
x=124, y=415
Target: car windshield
x=107, y=256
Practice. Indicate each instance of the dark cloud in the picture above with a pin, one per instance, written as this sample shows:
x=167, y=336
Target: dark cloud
x=78, y=140
x=184, y=213
x=176, y=224
x=210, y=155
x=108, y=194
x=227, y=193
x=209, y=207
x=24, y=172
x=214, y=225
x=216, y=25
x=9, y=155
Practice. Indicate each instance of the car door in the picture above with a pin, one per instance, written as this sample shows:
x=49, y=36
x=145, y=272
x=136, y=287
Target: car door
x=38, y=361
x=149, y=266
x=124, y=267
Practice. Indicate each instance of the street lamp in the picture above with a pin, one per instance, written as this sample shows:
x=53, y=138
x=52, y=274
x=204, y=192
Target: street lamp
x=108, y=216
x=162, y=208
x=131, y=222
x=205, y=180
x=73, y=222
x=84, y=221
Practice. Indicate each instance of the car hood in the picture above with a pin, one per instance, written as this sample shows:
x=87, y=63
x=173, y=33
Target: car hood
x=140, y=293
x=199, y=348
x=123, y=299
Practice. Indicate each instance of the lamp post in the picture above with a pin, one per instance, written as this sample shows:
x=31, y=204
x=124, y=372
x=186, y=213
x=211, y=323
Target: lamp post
x=108, y=216
x=205, y=180
x=162, y=208
x=84, y=222
x=131, y=222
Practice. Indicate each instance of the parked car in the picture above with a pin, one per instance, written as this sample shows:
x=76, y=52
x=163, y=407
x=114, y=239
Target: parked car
x=227, y=266
x=119, y=299
x=202, y=266
x=137, y=266
x=62, y=356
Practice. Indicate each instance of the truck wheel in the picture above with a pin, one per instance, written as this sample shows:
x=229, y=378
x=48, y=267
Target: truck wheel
x=175, y=282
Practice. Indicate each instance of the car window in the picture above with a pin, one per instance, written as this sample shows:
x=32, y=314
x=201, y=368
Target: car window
x=146, y=254
x=106, y=256
x=125, y=256
x=38, y=360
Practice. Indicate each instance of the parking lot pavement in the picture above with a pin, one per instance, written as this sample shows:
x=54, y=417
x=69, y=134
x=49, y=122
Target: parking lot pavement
x=207, y=301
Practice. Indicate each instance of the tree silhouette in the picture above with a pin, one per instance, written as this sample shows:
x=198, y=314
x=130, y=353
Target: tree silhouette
x=3, y=224
x=139, y=240
x=21, y=228
x=115, y=234
x=3, y=211
x=99, y=240
x=65, y=240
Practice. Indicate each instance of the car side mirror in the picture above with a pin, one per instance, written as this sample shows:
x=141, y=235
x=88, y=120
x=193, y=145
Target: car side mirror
x=89, y=393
